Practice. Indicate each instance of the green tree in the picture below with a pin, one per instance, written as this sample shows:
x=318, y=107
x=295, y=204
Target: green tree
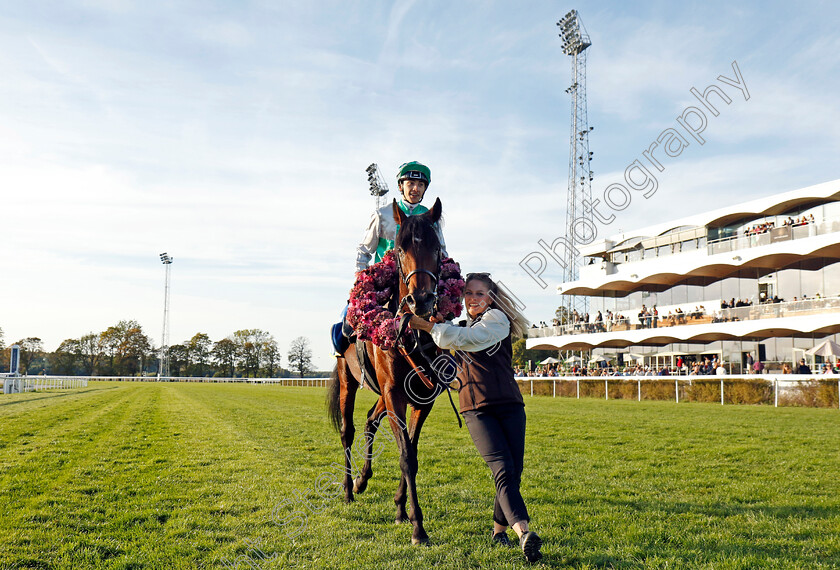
x=90, y=353
x=65, y=358
x=198, y=354
x=300, y=355
x=178, y=359
x=250, y=344
x=126, y=346
x=271, y=358
x=563, y=315
x=224, y=355
x=522, y=355
x=31, y=348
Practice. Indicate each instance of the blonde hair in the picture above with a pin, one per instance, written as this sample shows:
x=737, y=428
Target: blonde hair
x=502, y=301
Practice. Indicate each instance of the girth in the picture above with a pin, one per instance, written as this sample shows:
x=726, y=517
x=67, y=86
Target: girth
x=367, y=369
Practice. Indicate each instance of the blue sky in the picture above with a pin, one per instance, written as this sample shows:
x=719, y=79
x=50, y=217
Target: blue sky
x=234, y=135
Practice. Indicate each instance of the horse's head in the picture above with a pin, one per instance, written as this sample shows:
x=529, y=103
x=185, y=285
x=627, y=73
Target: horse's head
x=418, y=259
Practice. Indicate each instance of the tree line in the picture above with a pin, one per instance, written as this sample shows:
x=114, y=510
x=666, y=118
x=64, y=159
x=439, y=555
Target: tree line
x=125, y=349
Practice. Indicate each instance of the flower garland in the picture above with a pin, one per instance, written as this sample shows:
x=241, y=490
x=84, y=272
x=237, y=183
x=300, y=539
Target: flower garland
x=374, y=287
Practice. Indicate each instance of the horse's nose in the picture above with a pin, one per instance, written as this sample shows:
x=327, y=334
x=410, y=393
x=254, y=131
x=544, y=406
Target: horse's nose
x=423, y=303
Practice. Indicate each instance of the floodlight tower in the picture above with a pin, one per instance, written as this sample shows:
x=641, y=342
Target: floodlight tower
x=163, y=365
x=579, y=195
x=378, y=187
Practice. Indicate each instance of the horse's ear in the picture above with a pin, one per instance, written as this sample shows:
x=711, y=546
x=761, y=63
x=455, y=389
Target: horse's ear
x=436, y=211
x=399, y=215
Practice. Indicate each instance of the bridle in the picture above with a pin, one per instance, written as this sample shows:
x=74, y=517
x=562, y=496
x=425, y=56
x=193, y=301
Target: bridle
x=412, y=347
x=405, y=278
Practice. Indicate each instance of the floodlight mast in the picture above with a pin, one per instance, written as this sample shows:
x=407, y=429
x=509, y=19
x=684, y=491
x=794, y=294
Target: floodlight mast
x=163, y=363
x=378, y=187
x=579, y=195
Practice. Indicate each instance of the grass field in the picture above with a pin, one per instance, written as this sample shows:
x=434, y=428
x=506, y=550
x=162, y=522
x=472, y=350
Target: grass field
x=125, y=475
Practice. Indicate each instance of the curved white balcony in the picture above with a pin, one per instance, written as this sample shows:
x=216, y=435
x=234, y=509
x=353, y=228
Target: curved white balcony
x=791, y=319
x=718, y=260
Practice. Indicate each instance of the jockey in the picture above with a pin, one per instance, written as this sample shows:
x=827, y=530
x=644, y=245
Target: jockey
x=413, y=179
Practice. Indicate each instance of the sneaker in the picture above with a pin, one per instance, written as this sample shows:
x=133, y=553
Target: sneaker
x=500, y=539
x=530, y=544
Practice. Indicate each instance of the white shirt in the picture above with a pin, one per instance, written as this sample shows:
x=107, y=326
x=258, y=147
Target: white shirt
x=383, y=225
x=493, y=327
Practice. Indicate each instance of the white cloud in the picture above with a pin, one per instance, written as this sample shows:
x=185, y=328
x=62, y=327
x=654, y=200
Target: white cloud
x=237, y=140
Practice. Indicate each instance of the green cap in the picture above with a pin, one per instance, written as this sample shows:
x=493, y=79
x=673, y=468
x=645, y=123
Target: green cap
x=414, y=171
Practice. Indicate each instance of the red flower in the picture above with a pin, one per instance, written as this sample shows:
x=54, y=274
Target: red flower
x=373, y=289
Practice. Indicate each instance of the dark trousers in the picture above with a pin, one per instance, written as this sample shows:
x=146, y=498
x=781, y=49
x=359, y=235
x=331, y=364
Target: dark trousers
x=499, y=435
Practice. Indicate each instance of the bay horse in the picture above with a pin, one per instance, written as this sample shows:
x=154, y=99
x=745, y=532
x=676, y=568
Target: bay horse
x=418, y=253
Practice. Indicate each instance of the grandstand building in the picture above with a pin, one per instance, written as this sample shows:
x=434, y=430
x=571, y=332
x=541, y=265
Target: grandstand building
x=758, y=280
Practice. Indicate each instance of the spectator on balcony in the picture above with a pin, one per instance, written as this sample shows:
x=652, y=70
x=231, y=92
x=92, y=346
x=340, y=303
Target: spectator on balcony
x=720, y=370
x=599, y=322
x=786, y=369
x=758, y=367
x=803, y=368
x=655, y=317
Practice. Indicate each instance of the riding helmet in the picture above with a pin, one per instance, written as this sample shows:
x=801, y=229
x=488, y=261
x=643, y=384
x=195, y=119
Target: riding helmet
x=414, y=171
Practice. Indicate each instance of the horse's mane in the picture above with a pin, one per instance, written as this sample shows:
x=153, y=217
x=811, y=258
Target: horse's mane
x=417, y=228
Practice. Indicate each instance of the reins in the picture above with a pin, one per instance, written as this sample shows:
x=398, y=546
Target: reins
x=428, y=382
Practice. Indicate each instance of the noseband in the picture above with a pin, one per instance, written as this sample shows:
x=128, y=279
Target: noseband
x=405, y=278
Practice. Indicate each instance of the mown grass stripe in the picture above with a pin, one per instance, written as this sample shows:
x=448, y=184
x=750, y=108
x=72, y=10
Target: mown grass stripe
x=184, y=476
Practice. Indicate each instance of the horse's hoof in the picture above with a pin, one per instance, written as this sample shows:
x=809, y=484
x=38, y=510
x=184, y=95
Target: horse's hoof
x=400, y=520
x=359, y=485
x=420, y=541
x=349, y=499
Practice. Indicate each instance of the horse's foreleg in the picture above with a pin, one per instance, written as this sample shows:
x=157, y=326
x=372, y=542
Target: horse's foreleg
x=372, y=424
x=347, y=401
x=408, y=466
x=414, y=424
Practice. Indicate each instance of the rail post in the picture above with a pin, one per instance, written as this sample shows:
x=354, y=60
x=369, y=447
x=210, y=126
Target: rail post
x=577, y=381
x=775, y=392
x=639, y=387
x=532, y=386
x=606, y=390
x=677, y=389
x=554, y=388
x=721, y=391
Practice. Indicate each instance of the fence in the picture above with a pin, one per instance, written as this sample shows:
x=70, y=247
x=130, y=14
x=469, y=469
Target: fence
x=312, y=382
x=16, y=384
x=780, y=383
x=727, y=386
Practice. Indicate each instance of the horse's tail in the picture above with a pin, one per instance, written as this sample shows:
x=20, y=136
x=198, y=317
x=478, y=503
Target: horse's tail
x=333, y=405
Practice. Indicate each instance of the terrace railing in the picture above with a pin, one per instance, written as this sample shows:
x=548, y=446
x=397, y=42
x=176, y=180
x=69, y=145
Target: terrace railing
x=774, y=235
x=796, y=308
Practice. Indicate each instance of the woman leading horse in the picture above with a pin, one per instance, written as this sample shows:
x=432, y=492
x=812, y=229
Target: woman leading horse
x=490, y=400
